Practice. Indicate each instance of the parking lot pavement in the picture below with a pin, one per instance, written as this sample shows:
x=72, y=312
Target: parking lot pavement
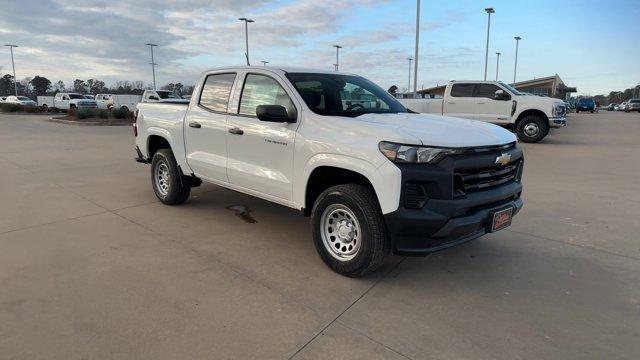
x=92, y=266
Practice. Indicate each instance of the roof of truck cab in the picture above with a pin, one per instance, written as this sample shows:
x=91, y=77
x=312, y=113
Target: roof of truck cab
x=283, y=69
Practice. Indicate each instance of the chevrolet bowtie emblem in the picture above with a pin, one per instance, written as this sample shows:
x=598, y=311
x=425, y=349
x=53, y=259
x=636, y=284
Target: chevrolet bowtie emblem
x=503, y=159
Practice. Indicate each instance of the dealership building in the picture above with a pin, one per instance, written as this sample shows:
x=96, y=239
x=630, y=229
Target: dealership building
x=551, y=86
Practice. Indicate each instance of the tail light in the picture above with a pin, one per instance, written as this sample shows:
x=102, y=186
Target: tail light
x=135, y=123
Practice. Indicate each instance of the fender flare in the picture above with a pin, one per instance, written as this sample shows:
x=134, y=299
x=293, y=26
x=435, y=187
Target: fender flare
x=385, y=178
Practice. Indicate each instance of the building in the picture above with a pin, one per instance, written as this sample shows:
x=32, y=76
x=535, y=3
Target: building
x=551, y=86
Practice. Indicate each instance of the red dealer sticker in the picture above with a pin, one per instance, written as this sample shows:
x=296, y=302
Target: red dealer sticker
x=501, y=219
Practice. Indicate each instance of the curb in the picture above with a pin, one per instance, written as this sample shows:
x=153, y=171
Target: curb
x=88, y=123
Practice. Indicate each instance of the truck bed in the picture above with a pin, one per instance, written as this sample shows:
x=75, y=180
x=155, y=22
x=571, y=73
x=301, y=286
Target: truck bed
x=424, y=106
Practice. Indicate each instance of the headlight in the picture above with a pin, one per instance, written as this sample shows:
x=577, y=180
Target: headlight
x=414, y=153
x=558, y=109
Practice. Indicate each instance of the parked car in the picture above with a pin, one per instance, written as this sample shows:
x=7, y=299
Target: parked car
x=612, y=107
x=586, y=104
x=66, y=101
x=163, y=96
x=20, y=100
x=622, y=106
x=633, y=105
x=113, y=101
x=497, y=103
x=373, y=176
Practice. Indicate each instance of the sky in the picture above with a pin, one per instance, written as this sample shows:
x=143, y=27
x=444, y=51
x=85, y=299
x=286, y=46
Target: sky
x=592, y=45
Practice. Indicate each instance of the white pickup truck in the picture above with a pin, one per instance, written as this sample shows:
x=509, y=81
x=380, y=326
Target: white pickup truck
x=66, y=101
x=496, y=102
x=372, y=178
x=124, y=102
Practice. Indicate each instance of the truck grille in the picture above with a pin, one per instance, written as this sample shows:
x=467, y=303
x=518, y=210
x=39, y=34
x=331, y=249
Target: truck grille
x=487, y=178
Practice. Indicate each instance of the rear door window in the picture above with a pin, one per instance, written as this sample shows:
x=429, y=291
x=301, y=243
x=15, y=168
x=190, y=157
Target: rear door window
x=462, y=90
x=216, y=90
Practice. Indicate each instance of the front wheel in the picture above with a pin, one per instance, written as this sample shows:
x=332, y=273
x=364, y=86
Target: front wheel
x=166, y=179
x=532, y=129
x=348, y=230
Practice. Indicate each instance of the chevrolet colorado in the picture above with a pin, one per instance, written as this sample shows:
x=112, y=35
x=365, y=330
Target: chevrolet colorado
x=373, y=176
x=496, y=102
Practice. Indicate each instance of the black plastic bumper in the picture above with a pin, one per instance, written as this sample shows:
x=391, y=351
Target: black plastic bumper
x=447, y=219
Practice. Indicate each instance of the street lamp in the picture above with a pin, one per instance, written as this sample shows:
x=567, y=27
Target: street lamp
x=409, y=84
x=15, y=81
x=515, y=67
x=497, y=65
x=415, y=57
x=246, y=37
x=264, y=63
x=486, y=55
x=153, y=63
x=337, y=64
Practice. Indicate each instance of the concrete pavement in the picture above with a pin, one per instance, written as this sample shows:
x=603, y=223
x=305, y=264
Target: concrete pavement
x=93, y=267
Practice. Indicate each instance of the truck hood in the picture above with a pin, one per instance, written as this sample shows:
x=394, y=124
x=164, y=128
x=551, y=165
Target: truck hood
x=436, y=130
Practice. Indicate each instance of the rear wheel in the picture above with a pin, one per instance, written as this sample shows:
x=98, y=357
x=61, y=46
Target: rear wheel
x=532, y=129
x=348, y=230
x=166, y=179
x=124, y=108
x=45, y=108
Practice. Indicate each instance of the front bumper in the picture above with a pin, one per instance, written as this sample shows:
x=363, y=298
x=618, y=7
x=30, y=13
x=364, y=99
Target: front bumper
x=448, y=218
x=557, y=122
x=435, y=227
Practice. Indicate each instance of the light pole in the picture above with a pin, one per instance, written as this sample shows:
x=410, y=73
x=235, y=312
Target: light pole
x=153, y=63
x=486, y=54
x=337, y=64
x=515, y=67
x=497, y=65
x=15, y=81
x=264, y=63
x=415, y=57
x=409, y=84
x=246, y=37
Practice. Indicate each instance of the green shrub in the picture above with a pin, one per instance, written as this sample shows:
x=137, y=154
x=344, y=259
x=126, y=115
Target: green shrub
x=32, y=109
x=103, y=113
x=9, y=107
x=85, y=113
x=119, y=114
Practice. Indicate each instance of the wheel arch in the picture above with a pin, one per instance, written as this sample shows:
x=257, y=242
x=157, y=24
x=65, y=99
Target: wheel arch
x=326, y=170
x=535, y=112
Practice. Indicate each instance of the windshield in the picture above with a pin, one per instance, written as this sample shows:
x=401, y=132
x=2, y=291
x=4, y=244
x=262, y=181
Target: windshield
x=512, y=89
x=76, y=96
x=634, y=101
x=168, y=95
x=23, y=98
x=343, y=95
x=586, y=101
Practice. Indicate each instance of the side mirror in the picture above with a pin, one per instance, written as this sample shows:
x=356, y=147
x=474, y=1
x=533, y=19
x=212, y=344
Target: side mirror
x=501, y=95
x=274, y=113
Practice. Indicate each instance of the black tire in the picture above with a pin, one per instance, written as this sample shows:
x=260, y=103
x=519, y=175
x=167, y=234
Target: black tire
x=577, y=111
x=174, y=190
x=374, y=244
x=124, y=108
x=529, y=122
x=45, y=108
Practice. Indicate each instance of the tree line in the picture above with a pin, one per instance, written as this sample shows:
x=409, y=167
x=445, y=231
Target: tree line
x=40, y=85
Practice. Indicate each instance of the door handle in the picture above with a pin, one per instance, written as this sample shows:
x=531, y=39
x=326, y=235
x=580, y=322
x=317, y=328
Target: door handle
x=195, y=125
x=236, y=131
x=451, y=102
